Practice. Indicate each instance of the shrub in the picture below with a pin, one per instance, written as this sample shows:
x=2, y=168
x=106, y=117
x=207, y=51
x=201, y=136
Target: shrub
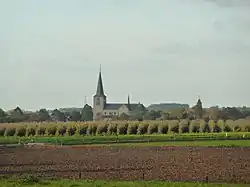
x=51, y=131
x=91, y=130
x=204, y=127
x=142, y=128
x=152, y=128
x=61, y=130
x=122, y=129
x=194, y=126
x=163, y=128
x=216, y=128
x=184, y=126
x=102, y=129
x=2, y=131
x=10, y=131
x=40, y=131
x=227, y=129
x=31, y=131
x=236, y=128
x=221, y=124
x=174, y=126
x=112, y=129
x=132, y=128
x=82, y=130
x=21, y=131
x=229, y=123
x=71, y=131
x=247, y=128
x=212, y=124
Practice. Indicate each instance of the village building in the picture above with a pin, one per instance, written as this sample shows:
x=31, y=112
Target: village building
x=102, y=109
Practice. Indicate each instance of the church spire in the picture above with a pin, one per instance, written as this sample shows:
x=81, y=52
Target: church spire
x=100, y=90
x=129, y=103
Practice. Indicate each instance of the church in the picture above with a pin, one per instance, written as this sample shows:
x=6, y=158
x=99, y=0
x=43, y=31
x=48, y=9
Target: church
x=104, y=110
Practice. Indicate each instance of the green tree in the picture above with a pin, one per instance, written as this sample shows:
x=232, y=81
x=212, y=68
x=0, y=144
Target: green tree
x=75, y=116
x=57, y=115
x=17, y=115
x=87, y=113
x=43, y=115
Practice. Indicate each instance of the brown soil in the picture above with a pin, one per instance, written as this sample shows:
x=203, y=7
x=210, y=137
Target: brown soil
x=127, y=163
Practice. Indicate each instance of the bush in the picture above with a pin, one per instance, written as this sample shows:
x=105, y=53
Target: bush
x=163, y=128
x=204, y=127
x=132, y=129
x=174, y=126
x=51, y=131
x=152, y=128
x=194, y=126
x=227, y=129
x=184, y=126
x=229, y=123
x=10, y=131
x=31, y=131
x=21, y=131
x=236, y=128
x=221, y=124
x=2, y=131
x=122, y=129
x=61, y=130
x=91, y=130
x=82, y=130
x=216, y=128
x=247, y=128
x=112, y=129
x=71, y=131
x=40, y=131
x=102, y=129
x=142, y=128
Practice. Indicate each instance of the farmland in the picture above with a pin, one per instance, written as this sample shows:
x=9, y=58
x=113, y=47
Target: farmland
x=129, y=163
x=177, y=151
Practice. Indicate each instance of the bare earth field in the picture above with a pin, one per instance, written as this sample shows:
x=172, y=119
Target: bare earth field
x=128, y=163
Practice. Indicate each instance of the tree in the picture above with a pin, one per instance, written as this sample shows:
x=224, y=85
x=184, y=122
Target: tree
x=87, y=113
x=17, y=115
x=75, y=116
x=43, y=115
x=57, y=115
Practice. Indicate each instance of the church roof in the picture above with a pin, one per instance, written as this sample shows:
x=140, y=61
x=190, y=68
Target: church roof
x=116, y=106
x=100, y=90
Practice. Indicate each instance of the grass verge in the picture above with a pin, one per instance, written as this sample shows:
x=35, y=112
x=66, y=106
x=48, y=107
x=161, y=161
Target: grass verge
x=89, y=183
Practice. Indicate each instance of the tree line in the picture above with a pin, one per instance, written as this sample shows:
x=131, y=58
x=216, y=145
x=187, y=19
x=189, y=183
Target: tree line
x=18, y=115
x=86, y=114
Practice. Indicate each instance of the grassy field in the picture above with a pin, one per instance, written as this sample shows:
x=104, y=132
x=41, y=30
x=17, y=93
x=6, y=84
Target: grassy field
x=71, y=183
x=202, y=139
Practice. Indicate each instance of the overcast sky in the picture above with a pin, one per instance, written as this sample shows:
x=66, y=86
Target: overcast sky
x=155, y=50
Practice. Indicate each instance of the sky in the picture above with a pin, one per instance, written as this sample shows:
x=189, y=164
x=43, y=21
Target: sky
x=157, y=51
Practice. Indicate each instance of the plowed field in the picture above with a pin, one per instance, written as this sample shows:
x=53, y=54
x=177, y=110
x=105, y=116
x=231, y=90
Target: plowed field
x=128, y=163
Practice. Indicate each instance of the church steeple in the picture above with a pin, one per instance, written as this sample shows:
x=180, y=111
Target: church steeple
x=128, y=102
x=100, y=90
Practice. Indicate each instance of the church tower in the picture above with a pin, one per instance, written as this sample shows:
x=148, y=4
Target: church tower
x=99, y=99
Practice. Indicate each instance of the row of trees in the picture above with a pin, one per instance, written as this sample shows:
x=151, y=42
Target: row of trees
x=43, y=115
x=86, y=114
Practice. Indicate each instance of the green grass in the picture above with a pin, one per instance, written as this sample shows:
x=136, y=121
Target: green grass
x=71, y=183
x=177, y=139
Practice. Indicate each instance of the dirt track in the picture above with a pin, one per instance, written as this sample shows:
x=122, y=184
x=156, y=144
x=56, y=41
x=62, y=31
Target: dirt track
x=127, y=163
